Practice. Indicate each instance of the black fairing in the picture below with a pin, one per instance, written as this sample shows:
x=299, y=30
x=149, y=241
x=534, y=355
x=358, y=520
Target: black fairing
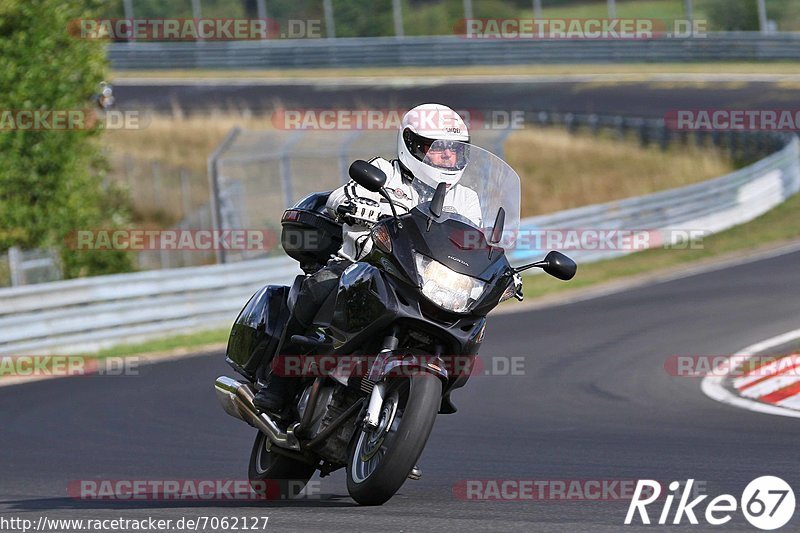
x=450, y=241
x=308, y=234
x=257, y=331
x=368, y=302
x=455, y=244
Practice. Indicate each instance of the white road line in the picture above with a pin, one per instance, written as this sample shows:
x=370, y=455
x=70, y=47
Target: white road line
x=144, y=359
x=713, y=388
x=792, y=402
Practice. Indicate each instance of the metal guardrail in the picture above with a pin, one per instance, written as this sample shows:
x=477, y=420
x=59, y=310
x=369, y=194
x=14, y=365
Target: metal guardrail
x=87, y=314
x=448, y=51
x=708, y=207
x=90, y=313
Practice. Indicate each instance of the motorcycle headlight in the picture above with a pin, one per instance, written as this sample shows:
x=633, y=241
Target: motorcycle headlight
x=447, y=288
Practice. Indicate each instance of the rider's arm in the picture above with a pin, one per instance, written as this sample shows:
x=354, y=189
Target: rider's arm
x=347, y=193
x=339, y=197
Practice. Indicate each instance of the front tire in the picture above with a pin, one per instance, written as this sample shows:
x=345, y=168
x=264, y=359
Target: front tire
x=274, y=476
x=379, y=461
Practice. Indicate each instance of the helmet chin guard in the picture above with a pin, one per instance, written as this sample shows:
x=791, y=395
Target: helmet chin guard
x=420, y=129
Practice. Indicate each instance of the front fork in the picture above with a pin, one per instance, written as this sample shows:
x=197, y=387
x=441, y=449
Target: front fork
x=378, y=394
x=371, y=419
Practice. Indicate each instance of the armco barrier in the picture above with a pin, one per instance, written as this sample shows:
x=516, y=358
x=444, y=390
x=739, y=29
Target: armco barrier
x=448, y=51
x=85, y=314
x=710, y=206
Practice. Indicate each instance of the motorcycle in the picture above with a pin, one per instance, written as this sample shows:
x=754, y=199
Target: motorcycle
x=379, y=366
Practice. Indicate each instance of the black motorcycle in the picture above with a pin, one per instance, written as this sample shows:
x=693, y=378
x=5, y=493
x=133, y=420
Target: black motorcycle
x=390, y=344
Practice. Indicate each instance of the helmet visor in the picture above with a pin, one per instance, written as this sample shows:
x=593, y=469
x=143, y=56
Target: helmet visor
x=438, y=153
x=447, y=155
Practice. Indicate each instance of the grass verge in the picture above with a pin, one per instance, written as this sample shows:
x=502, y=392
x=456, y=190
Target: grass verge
x=167, y=345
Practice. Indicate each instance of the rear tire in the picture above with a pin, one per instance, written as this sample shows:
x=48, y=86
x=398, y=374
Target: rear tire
x=274, y=476
x=379, y=462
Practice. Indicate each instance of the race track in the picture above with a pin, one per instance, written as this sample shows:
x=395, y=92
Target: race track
x=595, y=402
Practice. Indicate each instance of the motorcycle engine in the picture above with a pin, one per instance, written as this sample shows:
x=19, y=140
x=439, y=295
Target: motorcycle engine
x=332, y=401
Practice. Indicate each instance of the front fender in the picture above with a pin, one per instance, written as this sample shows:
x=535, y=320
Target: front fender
x=406, y=363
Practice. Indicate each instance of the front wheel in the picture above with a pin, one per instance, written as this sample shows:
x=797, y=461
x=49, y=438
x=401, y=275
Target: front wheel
x=274, y=476
x=380, y=460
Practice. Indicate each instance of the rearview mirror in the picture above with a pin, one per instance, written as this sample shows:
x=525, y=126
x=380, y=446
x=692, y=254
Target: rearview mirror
x=560, y=266
x=437, y=203
x=368, y=176
x=499, y=224
x=556, y=264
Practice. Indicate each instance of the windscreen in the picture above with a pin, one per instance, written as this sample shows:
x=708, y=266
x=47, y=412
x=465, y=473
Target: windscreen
x=483, y=184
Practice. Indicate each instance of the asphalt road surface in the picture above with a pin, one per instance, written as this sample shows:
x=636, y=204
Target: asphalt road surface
x=646, y=99
x=594, y=402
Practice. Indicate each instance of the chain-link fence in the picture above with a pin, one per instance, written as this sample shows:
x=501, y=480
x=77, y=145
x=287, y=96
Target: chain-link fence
x=259, y=174
x=166, y=196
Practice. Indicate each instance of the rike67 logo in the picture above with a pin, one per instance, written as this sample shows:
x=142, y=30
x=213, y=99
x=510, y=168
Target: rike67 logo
x=767, y=503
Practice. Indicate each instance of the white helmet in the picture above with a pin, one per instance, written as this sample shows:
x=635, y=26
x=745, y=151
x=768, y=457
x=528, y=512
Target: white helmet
x=420, y=128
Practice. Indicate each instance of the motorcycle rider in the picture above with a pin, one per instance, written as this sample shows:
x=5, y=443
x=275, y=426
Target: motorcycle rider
x=411, y=178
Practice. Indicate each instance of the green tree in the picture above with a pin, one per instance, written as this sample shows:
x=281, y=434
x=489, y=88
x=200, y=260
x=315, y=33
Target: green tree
x=731, y=15
x=51, y=181
x=183, y=9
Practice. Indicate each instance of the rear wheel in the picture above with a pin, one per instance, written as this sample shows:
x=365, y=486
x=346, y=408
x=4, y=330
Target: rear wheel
x=380, y=460
x=275, y=476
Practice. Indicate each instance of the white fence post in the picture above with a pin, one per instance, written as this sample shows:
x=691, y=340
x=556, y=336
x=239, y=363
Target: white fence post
x=15, y=266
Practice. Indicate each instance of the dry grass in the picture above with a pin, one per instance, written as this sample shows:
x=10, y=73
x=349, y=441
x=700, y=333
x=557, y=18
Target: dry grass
x=178, y=141
x=560, y=171
x=164, y=165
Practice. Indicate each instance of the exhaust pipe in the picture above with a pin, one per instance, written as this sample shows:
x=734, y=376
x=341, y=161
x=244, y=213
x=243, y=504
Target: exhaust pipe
x=236, y=399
